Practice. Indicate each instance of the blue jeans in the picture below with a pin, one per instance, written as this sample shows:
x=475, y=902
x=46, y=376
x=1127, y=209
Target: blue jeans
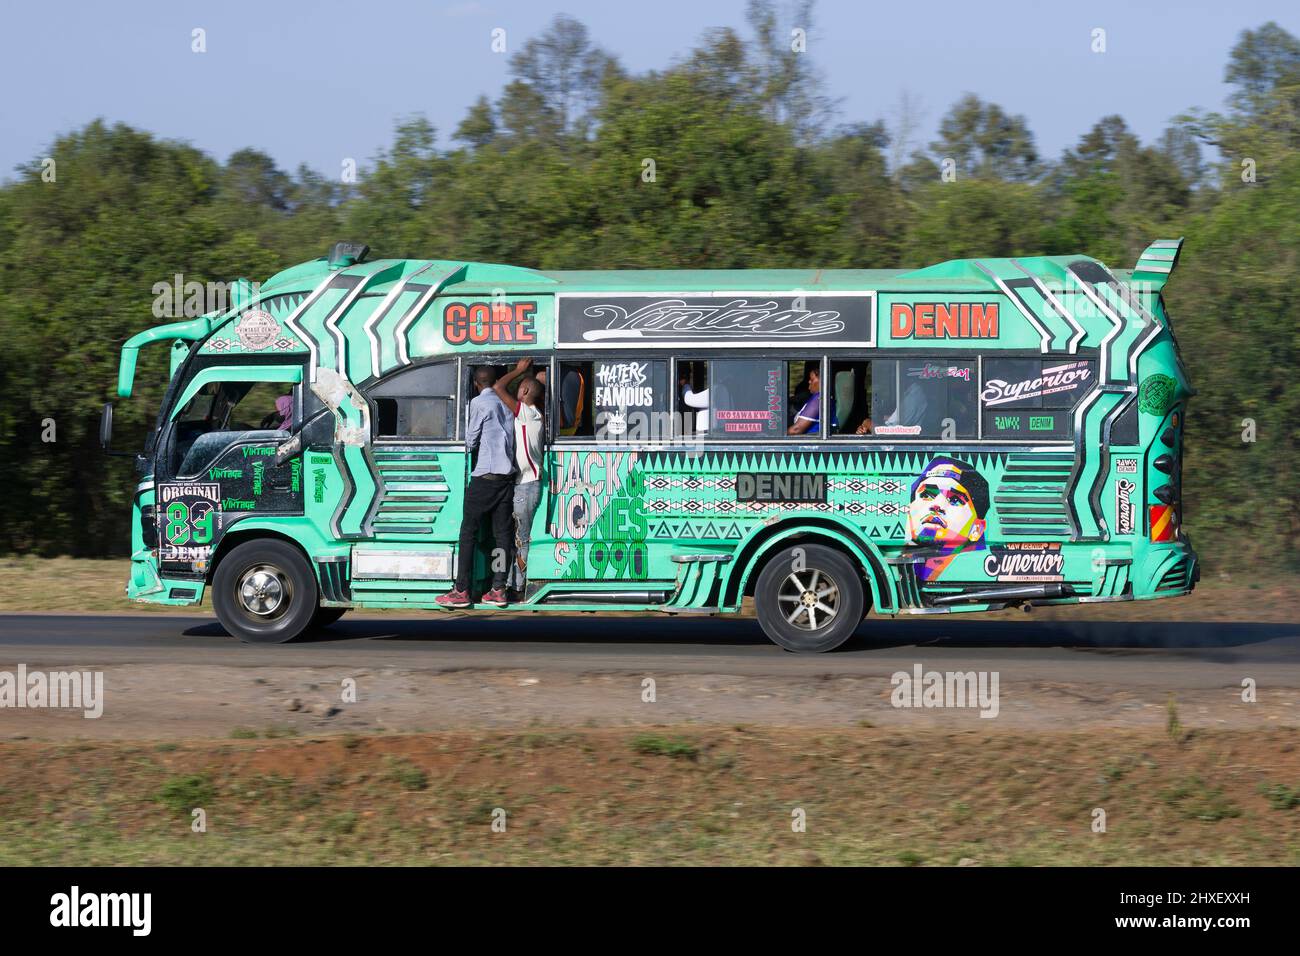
x=527, y=495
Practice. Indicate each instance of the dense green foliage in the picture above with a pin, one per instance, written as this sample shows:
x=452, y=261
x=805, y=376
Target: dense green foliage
x=727, y=159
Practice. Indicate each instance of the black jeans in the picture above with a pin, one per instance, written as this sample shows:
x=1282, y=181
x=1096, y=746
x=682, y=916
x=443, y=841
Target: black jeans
x=487, y=496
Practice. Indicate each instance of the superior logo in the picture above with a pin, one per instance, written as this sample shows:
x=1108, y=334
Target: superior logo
x=1125, y=511
x=1058, y=378
x=1026, y=562
x=71, y=690
x=103, y=909
x=940, y=320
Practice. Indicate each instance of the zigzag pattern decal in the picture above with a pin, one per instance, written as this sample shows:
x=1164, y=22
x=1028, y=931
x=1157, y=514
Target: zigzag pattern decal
x=827, y=462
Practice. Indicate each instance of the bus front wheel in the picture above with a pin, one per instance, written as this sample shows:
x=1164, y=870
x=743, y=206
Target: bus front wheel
x=809, y=598
x=264, y=592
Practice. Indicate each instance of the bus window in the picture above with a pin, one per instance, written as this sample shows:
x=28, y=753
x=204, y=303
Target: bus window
x=850, y=391
x=920, y=398
x=629, y=399
x=417, y=402
x=745, y=398
x=808, y=400
x=1032, y=398
x=572, y=399
x=753, y=398
x=693, y=396
x=219, y=410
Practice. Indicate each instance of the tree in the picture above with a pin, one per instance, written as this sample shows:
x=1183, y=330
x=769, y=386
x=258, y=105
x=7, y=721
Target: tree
x=783, y=78
x=563, y=70
x=986, y=142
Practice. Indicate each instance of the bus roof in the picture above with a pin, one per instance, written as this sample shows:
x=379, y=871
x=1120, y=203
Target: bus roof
x=973, y=275
x=1051, y=303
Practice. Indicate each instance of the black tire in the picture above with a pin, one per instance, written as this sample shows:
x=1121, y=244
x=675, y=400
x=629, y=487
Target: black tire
x=273, y=575
x=782, y=593
x=325, y=616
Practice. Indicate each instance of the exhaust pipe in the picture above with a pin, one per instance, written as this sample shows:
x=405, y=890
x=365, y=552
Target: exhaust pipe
x=1022, y=593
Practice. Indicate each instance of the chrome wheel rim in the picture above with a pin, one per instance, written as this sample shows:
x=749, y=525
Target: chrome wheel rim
x=264, y=591
x=809, y=599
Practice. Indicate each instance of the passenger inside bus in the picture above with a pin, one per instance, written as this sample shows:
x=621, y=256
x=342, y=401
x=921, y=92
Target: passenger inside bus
x=572, y=396
x=280, y=418
x=209, y=420
x=698, y=399
x=913, y=398
x=807, y=419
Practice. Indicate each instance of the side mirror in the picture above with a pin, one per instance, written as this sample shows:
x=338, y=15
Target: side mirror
x=106, y=434
x=106, y=426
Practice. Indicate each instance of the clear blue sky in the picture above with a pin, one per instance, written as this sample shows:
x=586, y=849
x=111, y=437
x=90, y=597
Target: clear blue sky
x=317, y=82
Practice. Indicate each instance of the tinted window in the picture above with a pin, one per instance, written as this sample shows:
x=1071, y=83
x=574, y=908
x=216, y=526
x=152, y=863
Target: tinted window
x=629, y=398
x=417, y=403
x=745, y=398
x=916, y=398
x=850, y=397
x=221, y=410
x=1032, y=398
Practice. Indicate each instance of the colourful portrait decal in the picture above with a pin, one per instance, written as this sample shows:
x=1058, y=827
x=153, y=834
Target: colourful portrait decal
x=949, y=501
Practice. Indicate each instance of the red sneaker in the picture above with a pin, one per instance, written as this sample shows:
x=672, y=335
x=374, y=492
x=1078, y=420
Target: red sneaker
x=454, y=599
x=496, y=598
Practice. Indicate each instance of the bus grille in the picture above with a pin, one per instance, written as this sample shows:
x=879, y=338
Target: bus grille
x=334, y=583
x=1030, y=499
x=1175, y=579
x=415, y=491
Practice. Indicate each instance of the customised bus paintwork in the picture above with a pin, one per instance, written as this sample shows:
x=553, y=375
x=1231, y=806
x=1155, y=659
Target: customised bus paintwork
x=1046, y=391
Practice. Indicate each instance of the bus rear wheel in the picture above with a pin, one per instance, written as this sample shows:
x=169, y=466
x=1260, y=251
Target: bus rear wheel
x=809, y=598
x=264, y=592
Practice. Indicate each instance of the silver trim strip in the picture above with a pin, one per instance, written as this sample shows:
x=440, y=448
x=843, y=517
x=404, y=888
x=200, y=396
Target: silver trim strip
x=1072, y=346
x=1117, y=324
x=331, y=322
x=1045, y=337
x=291, y=321
x=382, y=311
x=681, y=343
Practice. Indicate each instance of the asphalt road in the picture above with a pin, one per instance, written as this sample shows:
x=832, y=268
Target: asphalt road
x=1174, y=654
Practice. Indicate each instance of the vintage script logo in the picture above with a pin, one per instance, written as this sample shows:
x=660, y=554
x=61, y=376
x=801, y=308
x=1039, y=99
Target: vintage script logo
x=736, y=318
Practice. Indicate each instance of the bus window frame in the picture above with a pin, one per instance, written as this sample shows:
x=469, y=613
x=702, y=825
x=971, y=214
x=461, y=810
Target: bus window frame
x=555, y=358
x=705, y=355
x=459, y=400
x=554, y=437
x=911, y=355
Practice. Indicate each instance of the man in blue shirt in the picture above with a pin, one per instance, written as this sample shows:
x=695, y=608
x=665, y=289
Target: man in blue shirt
x=808, y=420
x=490, y=492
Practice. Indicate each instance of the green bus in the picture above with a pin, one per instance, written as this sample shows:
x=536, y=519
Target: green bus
x=973, y=435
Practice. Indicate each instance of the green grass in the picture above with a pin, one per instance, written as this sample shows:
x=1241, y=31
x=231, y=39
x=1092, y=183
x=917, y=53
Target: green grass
x=1280, y=796
x=1196, y=800
x=181, y=795
x=677, y=795
x=406, y=775
x=663, y=747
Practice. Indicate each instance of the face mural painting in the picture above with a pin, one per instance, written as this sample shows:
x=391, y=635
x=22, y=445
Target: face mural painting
x=949, y=501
